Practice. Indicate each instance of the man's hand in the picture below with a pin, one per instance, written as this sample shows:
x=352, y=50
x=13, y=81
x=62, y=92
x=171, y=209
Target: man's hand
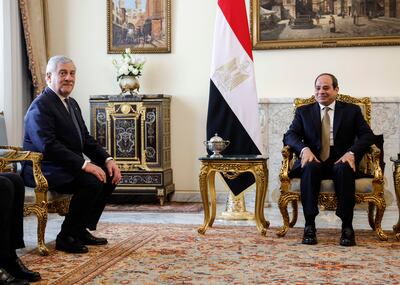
x=307, y=156
x=349, y=158
x=96, y=171
x=113, y=171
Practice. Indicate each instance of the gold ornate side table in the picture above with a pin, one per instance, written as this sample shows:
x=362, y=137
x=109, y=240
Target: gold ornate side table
x=231, y=166
x=396, y=179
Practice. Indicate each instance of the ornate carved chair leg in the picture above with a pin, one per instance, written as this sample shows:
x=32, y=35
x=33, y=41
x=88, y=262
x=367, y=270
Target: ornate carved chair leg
x=371, y=215
x=42, y=222
x=295, y=213
x=380, y=209
x=283, y=202
x=40, y=212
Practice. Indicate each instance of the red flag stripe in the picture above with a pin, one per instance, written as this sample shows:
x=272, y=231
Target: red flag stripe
x=235, y=14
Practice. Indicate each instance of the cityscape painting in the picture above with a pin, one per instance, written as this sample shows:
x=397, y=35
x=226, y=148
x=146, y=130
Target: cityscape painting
x=144, y=26
x=279, y=24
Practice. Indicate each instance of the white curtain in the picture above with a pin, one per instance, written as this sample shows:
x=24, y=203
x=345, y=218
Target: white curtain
x=15, y=84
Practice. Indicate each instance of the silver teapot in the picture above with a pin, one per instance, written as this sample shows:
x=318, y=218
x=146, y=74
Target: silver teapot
x=216, y=144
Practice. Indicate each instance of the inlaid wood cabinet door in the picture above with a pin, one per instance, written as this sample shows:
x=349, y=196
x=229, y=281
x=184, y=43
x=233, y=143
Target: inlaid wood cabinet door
x=136, y=132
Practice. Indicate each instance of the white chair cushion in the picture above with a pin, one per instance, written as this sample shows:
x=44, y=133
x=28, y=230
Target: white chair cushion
x=6, y=152
x=363, y=185
x=51, y=195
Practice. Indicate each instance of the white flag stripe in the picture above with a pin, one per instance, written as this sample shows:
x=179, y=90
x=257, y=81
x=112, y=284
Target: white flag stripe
x=241, y=98
x=225, y=40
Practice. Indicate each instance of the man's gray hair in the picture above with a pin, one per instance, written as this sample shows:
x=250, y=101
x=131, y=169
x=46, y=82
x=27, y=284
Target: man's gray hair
x=54, y=61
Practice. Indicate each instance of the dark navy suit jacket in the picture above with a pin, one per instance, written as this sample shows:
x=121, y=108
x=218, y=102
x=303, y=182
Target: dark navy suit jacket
x=49, y=129
x=350, y=130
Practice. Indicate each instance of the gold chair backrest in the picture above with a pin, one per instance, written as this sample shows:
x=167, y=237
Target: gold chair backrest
x=363, y=102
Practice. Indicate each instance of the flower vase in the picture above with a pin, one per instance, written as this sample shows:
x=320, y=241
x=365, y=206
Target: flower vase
x=130, y=84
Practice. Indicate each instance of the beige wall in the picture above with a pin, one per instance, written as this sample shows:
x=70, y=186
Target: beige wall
x=78, y=29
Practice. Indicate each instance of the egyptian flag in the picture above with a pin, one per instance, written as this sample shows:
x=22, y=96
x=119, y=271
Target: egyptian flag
x=233, y=106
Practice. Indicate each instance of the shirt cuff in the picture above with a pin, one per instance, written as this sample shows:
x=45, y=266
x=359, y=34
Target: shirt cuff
x=85, y=163
x=109, y=158
x=301, y=152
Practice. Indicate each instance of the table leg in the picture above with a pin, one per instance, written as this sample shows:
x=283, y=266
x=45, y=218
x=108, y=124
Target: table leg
x=211, y=181
x=265, y=193
x=204, y=197
x=396, y=178
x=261, y=190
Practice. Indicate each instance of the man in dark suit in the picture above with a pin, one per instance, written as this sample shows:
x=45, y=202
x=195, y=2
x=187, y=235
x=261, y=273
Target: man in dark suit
x=12, y=194
x=54, y=126
x=330, y=137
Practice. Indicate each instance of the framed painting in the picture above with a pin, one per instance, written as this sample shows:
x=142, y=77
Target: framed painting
x=278, y=24
x=144, y=26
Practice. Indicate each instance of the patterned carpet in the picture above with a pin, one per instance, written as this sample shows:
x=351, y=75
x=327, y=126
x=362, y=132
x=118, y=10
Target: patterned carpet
x=168, y=207
x=177, y=254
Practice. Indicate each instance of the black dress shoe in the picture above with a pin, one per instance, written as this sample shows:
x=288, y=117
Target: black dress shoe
x=70, y=244
x=7, y=278
x=348, y=237
x=309, y=236
x=17, y=269
x=88, y=239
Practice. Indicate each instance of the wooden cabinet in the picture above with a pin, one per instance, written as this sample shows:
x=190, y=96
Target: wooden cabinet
x=136, y=132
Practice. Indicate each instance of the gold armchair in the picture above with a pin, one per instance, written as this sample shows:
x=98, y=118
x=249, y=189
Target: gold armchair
x=39, y=200
x=369, y=188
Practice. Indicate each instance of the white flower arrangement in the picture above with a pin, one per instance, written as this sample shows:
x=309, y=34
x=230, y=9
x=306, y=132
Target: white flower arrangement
x=130, y=64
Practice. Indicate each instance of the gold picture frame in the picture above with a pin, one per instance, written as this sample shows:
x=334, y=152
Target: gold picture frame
x=144, y=26
x=284, y=24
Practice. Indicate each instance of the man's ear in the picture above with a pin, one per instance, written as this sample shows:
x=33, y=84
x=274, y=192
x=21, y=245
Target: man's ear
x=48, y=77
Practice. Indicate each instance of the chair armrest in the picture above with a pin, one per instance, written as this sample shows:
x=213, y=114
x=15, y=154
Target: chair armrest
x=287, y=156
x=375, y=154
x=11, y=147
x=11, y=155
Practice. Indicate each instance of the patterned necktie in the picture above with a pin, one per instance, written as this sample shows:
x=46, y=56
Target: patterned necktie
x=73, y=117
x=325, y=135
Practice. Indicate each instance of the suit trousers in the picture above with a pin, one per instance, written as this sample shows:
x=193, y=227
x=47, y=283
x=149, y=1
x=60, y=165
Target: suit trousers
x=344, y=182
x=12, y=194
x=87, y=203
